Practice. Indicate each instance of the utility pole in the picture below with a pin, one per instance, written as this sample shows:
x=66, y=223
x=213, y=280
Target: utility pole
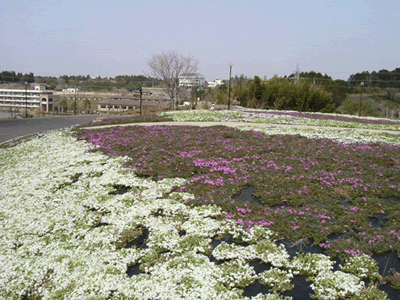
x=26, y=99
x=229, y=88
x=362, y=84
x=75, y=102
x=140, y=93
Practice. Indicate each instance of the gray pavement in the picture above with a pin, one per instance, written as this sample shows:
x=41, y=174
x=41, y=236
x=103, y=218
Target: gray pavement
x=10, y=129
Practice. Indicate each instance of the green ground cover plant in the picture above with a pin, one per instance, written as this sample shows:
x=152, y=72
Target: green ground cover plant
x=301, y=183
x=285, y=117
x=150, y=213
x=126, y=120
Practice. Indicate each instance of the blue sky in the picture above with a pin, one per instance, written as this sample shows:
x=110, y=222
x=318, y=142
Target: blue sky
x=118, y=37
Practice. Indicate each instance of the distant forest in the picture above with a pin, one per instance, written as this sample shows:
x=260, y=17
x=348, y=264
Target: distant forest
x=84, y=83
x=382, y=79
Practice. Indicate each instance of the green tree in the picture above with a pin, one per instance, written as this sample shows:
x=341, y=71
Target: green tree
x=87, y=104
x=63, y=106
x=256, y=90
x=301, y=96
x=222, y=97
x=73, y=106
x=352, y=107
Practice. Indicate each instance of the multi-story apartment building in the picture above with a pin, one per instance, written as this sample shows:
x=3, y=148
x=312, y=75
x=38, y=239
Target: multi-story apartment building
x=34, y=99
x=191, y=80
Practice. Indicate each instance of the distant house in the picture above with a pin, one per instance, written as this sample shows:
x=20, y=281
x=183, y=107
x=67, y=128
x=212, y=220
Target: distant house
x=191, y=80
x=126, y=103
x=218, y=82
x=212, y=84
x=69, y=90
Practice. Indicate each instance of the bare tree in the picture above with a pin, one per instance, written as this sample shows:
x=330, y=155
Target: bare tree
x=167, y=66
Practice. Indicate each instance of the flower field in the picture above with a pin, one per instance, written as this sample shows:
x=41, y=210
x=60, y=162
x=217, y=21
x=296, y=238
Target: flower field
x=286, y=117
x=188, y=212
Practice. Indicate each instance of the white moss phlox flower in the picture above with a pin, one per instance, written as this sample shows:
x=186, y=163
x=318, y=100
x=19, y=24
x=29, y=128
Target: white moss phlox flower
x=336, y=285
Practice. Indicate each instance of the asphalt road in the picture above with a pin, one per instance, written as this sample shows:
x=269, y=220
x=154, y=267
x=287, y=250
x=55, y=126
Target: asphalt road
x=10, y=129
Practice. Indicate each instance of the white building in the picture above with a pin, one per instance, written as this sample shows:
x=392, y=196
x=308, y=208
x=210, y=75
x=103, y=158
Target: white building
x=191, y=80
x=34, y=99
x=69, y=90
x=218, y=82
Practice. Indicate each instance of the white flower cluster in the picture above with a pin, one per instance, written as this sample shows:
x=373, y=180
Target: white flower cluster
x=237, y=273
x=252, y=116
x=336, y=285
x=271, y=297
x=64, y=228
x=345, y=136
x=278, y=280
x=311, y=264
x=230, y=251
x=200, y=115
x=269, y=252
x=362, y=266
x=62, y=225
x=189, y=276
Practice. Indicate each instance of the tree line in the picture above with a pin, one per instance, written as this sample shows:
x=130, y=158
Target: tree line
x=311, y=91
x=278, y=93
x=87, y=83
x=83, y=82
x=382, y=79
x=13, y=77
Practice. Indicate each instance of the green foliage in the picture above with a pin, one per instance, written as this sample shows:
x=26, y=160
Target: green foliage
x=237, y=274
x=318, y=78
x=311, y=264
x=86, y=104
x=280, y=93
x=382, y=79
x=277, y=280
x=370, y=293
x=195, y=243
x=330, y=108
x=63, y=105
x=257, y=89
x=12, y=77
x=301, y=96
x=390, y=95
x=73, y=105
x=222, y=97
x=127, y=120
x=151, y=257
x=83, y=82
x=394, y=279
x=127, y=236
x=352, y=107
x=362, y=266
